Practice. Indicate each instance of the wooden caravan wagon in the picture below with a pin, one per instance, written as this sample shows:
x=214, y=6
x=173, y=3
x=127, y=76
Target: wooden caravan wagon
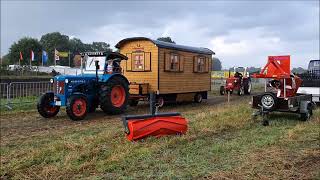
x=174, y=72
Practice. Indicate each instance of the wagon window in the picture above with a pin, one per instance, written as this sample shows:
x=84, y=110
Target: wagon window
x=138, y=62
x=200, y=64
x=174, y=63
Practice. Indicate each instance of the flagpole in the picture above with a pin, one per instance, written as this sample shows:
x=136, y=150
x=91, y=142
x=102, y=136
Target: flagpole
x=69, y=58
x=42, y=59
x=30, y=58
x=54, y=57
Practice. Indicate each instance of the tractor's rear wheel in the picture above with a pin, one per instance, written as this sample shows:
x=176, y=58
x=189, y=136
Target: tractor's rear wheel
x=114, y=96
x=45, y=107
x=77, y=107
x=240, y=91
x=222, y=90
x=247, y=88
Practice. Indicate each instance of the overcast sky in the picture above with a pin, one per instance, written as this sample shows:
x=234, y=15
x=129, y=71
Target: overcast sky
x=241, y=33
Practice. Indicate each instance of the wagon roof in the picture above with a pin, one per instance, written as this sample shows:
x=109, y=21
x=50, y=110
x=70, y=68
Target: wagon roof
x=167, y=45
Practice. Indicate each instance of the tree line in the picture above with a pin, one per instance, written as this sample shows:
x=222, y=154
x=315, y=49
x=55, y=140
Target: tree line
x=49, y=42
x=55, y=40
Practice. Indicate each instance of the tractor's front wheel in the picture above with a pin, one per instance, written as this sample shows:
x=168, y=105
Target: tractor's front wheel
x=77, y=107
x=45, y=106
x=114, y=96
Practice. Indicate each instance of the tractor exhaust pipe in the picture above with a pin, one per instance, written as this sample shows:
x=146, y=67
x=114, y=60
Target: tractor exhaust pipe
x=97, y=68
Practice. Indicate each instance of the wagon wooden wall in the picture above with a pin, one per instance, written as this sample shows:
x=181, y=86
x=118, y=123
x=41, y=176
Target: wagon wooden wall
x=156, y=74
x=150, y=75
x=187, y=80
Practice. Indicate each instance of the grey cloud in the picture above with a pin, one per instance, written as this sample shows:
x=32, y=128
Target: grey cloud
x=295, y=23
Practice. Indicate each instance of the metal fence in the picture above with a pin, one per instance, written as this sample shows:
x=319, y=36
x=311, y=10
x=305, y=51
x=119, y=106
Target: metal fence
x=22, y=92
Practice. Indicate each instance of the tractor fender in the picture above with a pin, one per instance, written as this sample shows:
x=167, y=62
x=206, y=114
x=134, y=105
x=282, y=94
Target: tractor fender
x=304, y=106
x=107, y=78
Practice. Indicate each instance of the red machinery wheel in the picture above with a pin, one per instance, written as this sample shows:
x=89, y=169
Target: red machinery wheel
x=77, y=107
x=114, y=95
x=45, y=107
x=268, y=101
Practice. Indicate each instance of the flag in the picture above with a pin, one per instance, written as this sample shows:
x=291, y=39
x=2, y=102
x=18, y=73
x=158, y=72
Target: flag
x=44, y=57
x=56, y=55
x=63, y=54
x=32, y=56
x=21, y=58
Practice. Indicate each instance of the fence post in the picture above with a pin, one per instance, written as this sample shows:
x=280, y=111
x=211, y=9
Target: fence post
x=8, y=97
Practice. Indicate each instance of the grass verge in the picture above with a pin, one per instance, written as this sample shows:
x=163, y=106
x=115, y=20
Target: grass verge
x=222, y=142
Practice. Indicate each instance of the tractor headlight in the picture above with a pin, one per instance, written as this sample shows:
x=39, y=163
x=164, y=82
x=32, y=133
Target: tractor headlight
x=66, y=81
x=51, y=80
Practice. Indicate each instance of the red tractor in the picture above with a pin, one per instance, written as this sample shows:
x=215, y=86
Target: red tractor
x=239, y=83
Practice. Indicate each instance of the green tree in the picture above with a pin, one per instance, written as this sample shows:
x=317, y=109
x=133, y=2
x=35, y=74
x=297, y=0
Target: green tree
x=216, y=64
x=166, y=39
x=100, y=46
x=25, y=45
x=5, y=60
x=298, y=70
x=52, y=41
x=76, y=45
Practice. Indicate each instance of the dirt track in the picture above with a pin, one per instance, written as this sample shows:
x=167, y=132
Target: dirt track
x=17, y=125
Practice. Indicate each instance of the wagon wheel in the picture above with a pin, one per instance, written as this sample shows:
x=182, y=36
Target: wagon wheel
x=198, y=98
x=45, y=106
x=160, y=101
x=114, y=96
x=77, y=107
x=133, y=102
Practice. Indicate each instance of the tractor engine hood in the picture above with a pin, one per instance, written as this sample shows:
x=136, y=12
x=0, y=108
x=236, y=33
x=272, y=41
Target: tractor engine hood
x=71, y=78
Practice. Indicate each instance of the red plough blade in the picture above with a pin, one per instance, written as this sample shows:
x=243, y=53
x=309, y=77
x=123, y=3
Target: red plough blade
x=139, y=127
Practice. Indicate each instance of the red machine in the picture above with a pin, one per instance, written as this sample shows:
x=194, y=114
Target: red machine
x=239, y=83
x=278, y=69
x=282, y=95
x=154, y=124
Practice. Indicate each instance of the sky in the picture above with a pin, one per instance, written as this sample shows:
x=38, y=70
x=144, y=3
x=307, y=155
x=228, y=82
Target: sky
x=241, y=33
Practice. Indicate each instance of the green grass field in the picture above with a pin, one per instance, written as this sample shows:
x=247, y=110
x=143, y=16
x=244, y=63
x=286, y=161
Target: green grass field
x=223, y=142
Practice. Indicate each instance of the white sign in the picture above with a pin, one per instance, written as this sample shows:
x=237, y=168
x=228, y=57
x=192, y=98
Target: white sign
x=90, y=63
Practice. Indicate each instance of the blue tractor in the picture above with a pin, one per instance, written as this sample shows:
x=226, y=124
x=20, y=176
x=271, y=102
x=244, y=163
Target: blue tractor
x=101, y=83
